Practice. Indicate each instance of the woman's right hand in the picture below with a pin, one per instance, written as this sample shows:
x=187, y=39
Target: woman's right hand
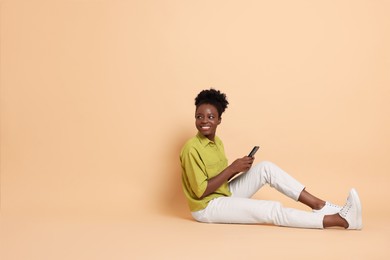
x=241, y=164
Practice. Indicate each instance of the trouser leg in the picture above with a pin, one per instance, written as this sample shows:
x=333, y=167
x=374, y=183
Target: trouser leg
x=251, y=211
x=246, y=185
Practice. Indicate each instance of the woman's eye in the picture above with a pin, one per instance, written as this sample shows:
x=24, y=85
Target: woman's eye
x=211, y=117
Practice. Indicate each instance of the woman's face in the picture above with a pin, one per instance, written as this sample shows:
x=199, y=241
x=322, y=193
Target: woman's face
x=207, y=120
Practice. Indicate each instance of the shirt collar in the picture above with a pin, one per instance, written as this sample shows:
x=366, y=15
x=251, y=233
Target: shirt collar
x=204, y=140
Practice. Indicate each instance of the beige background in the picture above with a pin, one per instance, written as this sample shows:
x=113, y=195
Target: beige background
x=97, y=99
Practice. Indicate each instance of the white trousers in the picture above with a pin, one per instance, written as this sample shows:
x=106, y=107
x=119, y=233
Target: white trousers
x=240, y=208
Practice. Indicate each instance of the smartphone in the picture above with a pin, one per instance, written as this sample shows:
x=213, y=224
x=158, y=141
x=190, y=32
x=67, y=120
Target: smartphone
x=254, y=150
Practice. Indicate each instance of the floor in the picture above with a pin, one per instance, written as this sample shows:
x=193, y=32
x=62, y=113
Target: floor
x=177, y=236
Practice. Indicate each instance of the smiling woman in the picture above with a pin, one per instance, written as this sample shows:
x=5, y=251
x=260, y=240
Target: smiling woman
x=212, y=198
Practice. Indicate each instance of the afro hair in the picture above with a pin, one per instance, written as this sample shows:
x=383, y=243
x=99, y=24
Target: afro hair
x=212, y=97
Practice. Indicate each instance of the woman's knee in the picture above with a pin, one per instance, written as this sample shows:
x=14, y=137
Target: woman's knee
x=264, y=164
x=264, y=167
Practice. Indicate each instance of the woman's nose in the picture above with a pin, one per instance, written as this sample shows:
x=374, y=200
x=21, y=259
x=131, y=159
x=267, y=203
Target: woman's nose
x=204, y=120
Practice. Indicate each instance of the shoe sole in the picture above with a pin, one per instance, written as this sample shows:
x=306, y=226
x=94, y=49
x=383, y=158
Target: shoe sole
x=358, y=205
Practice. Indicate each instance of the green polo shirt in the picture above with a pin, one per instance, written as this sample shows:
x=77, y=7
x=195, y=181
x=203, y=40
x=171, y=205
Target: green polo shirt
x=202, y=159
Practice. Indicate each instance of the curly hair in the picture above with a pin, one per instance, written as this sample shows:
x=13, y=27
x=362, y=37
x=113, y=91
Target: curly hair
x=212, y=97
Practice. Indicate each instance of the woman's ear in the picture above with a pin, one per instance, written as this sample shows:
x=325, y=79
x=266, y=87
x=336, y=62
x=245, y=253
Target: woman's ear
x=219, y=120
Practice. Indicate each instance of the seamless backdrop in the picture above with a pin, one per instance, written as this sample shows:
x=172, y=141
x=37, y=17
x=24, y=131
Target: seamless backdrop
x=97, y=98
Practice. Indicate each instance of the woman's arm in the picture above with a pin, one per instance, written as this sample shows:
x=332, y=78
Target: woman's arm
x=240, y=165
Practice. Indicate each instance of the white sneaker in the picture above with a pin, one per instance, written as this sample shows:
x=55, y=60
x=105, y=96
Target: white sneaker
x=352, y=211
x=328, y=209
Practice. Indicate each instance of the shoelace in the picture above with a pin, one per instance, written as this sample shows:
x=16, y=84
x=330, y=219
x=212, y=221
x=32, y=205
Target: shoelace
x=332, y=205
x=344, y=211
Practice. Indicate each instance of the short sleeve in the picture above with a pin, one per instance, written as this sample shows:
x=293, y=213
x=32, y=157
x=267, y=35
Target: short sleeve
x=195, y=171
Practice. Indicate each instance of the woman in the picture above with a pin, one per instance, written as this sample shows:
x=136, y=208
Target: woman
x=212, y=198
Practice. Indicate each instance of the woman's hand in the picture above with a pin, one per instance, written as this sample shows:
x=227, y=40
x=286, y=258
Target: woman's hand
x=241, y=165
